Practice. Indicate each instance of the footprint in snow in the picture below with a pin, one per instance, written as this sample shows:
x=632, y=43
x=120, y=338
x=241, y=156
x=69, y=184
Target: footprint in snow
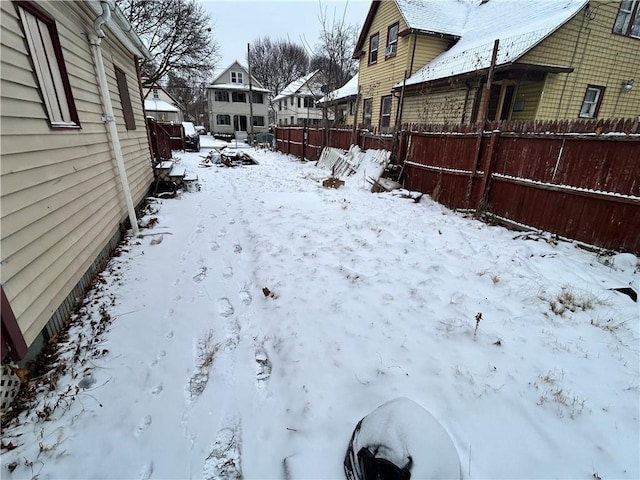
x=169, y=335
x=200, y=229
x=146, y=421
x=198, y=277
x=237, y=248
x=214, y=246
x=245, y=297
x=225, y=308
x=146, y=472
x=263, y=368
x=227, y=272
x=157, y=389
x=222, y=233
x=224, y=459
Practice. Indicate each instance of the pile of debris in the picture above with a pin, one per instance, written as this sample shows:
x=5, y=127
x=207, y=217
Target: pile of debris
x=364, y=169
x=227, y=157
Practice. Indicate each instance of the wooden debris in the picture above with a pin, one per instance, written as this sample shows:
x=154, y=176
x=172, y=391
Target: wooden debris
x=332, y=182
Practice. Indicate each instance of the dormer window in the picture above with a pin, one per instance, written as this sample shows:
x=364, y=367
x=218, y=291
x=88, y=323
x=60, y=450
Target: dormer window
x=156, y=95
x=392, y=40
x=236, y=77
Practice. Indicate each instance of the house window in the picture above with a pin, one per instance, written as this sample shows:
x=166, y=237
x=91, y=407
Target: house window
x=373, y=48
x=223, y=119
x=257, y=97
x=299, y=100
x=352, y=108
x=592, y=101
x=222, y=96
x=628, y=20
x=292, y=120
x=308, y=102
x=48, y=65
x=238, y=97
x=286, y=121
x=258, y=121
x=366, y=114
x=392, y=40
x=292, y=101
x=125, y=99
x=156, y=94
x=236, y=77
x=385, y=111
x=280, y=105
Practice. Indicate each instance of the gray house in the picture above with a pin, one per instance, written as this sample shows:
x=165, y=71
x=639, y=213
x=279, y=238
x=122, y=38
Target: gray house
x=75, y=155
x=230, y=102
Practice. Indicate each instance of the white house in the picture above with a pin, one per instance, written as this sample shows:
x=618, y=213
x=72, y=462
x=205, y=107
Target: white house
x=231, y=105
x=342, y=101
x=160, y=104
x=295, y=104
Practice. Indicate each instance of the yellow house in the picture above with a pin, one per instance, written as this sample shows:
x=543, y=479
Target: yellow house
x=75, y=155
x=563, y=59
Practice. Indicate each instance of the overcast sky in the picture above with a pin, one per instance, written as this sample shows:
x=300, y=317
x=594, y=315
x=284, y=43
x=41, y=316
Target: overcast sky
x=236, y=23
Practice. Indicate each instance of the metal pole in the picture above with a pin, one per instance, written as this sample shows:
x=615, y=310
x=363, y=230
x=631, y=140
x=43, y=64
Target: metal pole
x=250, y=96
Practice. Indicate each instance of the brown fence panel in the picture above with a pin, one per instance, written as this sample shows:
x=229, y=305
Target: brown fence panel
x=376, y=142
x=175, y=131
x=160, y=141
x=315, y=140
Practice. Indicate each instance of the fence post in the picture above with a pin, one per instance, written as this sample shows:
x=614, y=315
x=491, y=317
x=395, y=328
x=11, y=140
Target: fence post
x=487, y=166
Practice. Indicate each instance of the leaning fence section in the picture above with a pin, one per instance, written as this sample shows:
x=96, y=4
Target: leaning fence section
x=579, y=180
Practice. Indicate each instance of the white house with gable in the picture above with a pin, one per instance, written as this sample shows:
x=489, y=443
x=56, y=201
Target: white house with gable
x=229, y=99
x=296, y=103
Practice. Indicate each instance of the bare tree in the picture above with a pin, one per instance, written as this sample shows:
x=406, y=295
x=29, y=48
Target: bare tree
x=177, y=33
x=277, y=63
x=190, y=92
x=333, y=54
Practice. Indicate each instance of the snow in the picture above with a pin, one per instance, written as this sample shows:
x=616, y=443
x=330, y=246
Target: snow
x=159, y=106
x=518, y=29
x=259, y=318
x=310, y=86
x=349, y=89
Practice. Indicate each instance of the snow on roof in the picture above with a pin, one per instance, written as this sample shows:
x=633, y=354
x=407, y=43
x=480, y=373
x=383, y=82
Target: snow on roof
x=439, y=16
x=349, y=89
x=238, y=86
x=296, y=85
x=518, y=29
x=159, y=106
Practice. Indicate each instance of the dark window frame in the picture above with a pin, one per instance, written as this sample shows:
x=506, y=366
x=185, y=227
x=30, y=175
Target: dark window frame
x=52, y=30
x=125, y=99
x=372, y=51
x=384, y=115
x=394, y=42
x=598, y=102
x=221, y=93
x=367, y=119
x=257, y=97
x=223, y=116
x=258, y=121
x=634, y=16
x=308, y=102
x=235, y=97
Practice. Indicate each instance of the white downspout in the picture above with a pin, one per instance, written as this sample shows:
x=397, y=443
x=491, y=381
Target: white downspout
x=109, y=118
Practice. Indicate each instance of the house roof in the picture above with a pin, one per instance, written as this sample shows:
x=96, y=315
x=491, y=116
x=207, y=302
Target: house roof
x=348, y=90
x=159, y=106
x=156, y=85
x=219, y=73
x=295, y=86
x=243, y=87
x=518, y=29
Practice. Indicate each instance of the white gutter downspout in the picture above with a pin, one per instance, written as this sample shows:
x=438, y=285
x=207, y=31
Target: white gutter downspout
x=109, y=118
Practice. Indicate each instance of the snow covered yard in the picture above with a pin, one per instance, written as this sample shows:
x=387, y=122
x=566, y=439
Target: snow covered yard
x=260, y=318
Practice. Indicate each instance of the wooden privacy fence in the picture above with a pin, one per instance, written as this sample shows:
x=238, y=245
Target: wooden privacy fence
x=583, y=186
x=579, y=180
x=160, y=141
x=308, y=142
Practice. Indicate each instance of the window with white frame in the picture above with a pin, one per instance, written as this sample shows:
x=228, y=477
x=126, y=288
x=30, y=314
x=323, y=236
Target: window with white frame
x=49, y=68
x=223, y=119
x=392, y=40
x=373, y=48
x=156, y=94
x=221, y=96
x=592, y=101
x=628, y=20
x=236, y=77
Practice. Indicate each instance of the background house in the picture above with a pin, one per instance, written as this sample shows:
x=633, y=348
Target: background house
x=69, y=180
x=568, y=59
x=342, y=102
x=295, y=104
x=161, y=105
x=229, y=102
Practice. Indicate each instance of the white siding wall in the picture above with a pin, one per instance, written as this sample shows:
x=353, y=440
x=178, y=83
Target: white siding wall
x=61, y=200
